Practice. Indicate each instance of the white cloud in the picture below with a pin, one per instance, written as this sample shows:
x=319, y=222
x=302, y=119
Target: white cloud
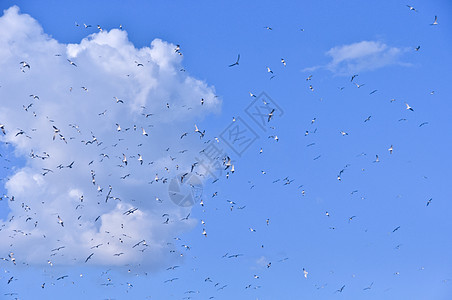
x=106, y=65
x=361, y=56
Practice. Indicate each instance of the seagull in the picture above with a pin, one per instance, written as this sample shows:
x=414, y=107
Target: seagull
x=118, y=127
x=140, y=159
x=411, y=8
x=341, y=289
x=71, y=62
x=2, y=127
x=353, y=77
x=236, y=62
x=283, y=62
x=435, y=22
x=25, y=64
x=369, y=287
x=305, y=273
x=270, y=115
x=89, y=257
x=390, y=149
x=269, y=71
x=144, y=132
x=359, y=85
x=202, y=133
x=409, y=107
x=368, y=119
x=252, y=95
x=60, y=221
x=118, y=100
x=100, y=28
x=429, y=201
x=86, y=26
x=124, y=160
x=397, y=228
x=417, y=48
x=268, y=28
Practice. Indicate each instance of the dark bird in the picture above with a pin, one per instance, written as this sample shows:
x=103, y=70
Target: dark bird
x=236, y=62
x=89, y=257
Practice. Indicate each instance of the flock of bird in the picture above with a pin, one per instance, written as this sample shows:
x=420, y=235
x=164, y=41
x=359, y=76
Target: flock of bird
x=123, y=161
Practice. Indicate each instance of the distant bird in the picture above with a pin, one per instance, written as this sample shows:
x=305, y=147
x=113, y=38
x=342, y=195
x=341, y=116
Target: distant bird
x=429, y=201
x=369, y=287
x=86, y=26
x=2, y=127
x=353, y=77
x=435, y=22
x=408, y=107
x=395, y=229
x=359, y=85
x=25, y=64
x=305, y=273
x=269, y=71
x=118, y=100
x=417, y=48
x=201, y=133
x=124, y=159
x=341, y=289
x=368, y=119
x=270, y=115
x=268, y=28
x=422, y=124
x=71, y=62
x=144, y=132
x=283, y=62
x=89, y=257
x=390, y=149
x=100, y=28
x=60, y=221
x=411, y=8
x=236, y=62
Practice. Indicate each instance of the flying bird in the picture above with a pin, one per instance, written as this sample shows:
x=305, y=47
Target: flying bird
x=89, y=257
x=435, y=22
x=408, y=107
x=71, y=62
x=236, y=62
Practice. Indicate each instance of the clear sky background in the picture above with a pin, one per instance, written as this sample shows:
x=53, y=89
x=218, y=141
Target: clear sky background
x=309, y=223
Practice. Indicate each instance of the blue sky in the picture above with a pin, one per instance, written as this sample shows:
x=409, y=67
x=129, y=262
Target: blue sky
x=376, y=41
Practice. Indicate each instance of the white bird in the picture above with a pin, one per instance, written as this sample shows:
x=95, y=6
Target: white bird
x=283, y=62
x=390, y=149
x=409, y=107
x=124, y=160
x=435, y=22
x=144, y=131
x=118, y=128
x=71, y=62
x=269, y=71
x=305, y=273
x=411, y=8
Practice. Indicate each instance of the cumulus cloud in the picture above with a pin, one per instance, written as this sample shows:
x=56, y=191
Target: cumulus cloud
x=56, y=112
x=361, y=56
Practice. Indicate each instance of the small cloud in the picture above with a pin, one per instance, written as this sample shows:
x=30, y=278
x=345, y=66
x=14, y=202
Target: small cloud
x=361, y=56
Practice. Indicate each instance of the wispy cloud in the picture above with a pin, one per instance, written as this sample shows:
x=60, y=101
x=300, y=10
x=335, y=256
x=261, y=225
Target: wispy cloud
x=47, y=210
x=361, y=56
